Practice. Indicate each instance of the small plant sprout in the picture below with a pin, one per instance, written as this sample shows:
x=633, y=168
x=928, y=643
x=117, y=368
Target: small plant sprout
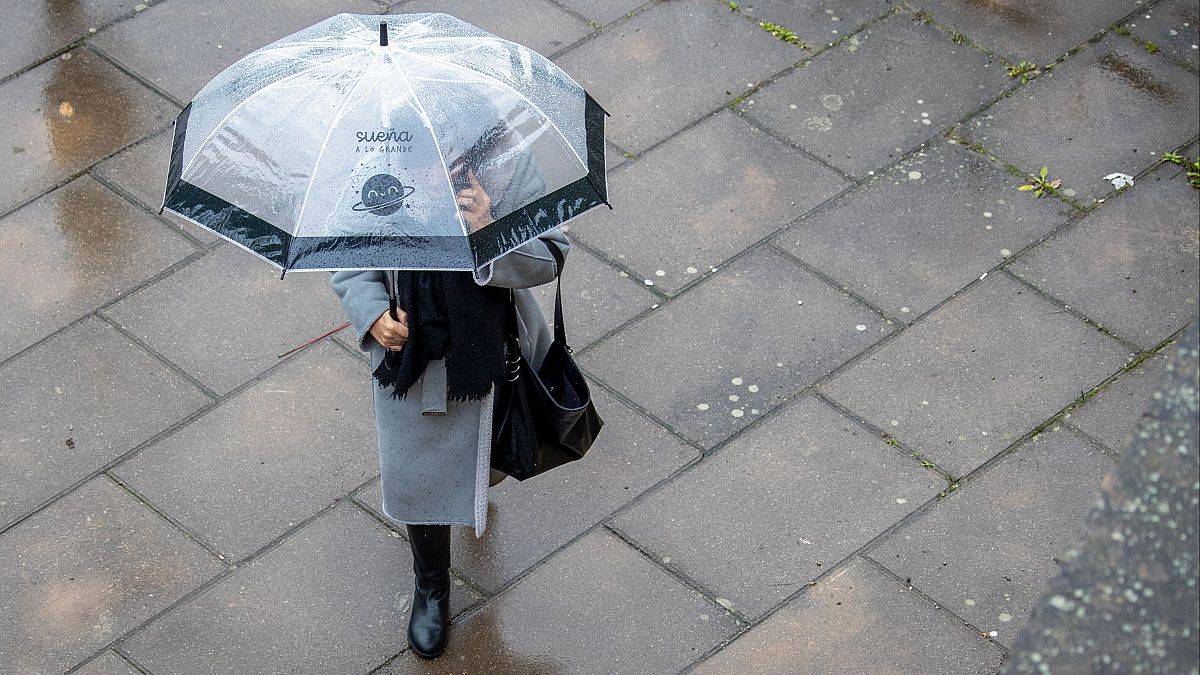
x=1192, y=168
x=1150, y=46
x=782, y=33
x=1026, y=70
x=1173, y=157
x=733, y=6
x=1040, y=186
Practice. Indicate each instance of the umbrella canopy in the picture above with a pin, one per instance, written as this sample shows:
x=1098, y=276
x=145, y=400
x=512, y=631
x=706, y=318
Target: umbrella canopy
x=345, y=146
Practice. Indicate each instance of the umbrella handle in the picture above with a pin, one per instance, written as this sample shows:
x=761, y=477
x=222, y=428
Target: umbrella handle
x=391, y=286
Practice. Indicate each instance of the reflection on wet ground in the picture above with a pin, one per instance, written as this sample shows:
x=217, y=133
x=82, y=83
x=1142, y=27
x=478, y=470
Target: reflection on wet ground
x=31, y=29
x=1137, y=77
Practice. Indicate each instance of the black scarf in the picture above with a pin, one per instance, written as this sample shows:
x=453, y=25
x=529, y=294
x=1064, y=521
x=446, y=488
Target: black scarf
x=450, y=317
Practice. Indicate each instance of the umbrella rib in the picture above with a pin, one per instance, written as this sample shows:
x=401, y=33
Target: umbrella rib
x=246, y=100
x=514, y=90
x=433, y=134
x=321, y=153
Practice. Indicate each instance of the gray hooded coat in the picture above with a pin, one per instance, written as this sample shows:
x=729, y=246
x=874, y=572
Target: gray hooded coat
x=434, y=468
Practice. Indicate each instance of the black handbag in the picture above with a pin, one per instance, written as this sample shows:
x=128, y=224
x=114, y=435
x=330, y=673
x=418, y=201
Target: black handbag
x=545, y=419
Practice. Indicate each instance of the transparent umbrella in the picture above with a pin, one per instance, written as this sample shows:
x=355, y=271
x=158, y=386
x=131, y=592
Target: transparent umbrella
x=347, y=145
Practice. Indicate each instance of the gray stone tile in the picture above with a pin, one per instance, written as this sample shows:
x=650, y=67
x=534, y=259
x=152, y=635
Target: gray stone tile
x=817, y=22
x=603, y=12
x=1027, y=31
x=268, y=458
x=1111, y=414
x=86, y=570
x=738, y=526
x=71, y=251
x=227, y=316
x=978, y=373
x=74, y=404
x=595, y=297
x=1173, y=26
x=672, y=64
x=858, y=621
x=865, y=102
x=332, y=598
x=703, y=197
x=538, y=24
x=917, y=234
x=528, y=520
x=1149, y=106
x=735, y=346
x=986, y=551
x=65, y=115
x=596, y=607
x=180, y=46
x=1131, y=265
x=108, y=663
x=33, y=29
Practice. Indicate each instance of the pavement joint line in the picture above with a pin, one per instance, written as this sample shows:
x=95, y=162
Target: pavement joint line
x=76, y=175
x=939, y=606
x=137, y=77
x=171, y=365
x=133, y=663
x=1065, y=307
x=743, y=114
x=593, y=379
x=1095, y=443
x=76, y=43
x=843, y=288
x=353, y=352
x=187, y=532
x=900, y=448
x=617, y=265
x=679, y=576
x=93, y=313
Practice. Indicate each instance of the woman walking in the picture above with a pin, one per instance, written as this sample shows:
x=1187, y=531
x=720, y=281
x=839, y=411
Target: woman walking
x=433, y=403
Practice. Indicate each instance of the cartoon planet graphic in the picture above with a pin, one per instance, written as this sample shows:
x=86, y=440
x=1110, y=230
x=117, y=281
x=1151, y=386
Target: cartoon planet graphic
x=383, y=195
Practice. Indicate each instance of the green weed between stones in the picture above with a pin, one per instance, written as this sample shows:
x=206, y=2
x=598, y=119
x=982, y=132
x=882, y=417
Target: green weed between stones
x=1026, y=70
x=1040, y=185
x=782, y=33
x=1192, y=168
x=733, y=6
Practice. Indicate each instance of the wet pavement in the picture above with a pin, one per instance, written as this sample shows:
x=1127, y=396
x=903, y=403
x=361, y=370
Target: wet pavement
x=861, y=393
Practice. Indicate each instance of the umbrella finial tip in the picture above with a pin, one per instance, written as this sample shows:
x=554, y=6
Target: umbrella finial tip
x=382, y=33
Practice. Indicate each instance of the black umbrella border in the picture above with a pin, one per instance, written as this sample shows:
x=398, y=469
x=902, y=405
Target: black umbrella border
x=380, y=252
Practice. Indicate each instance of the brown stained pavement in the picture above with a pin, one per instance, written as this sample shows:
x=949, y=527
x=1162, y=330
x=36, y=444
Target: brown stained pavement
x=860, y=391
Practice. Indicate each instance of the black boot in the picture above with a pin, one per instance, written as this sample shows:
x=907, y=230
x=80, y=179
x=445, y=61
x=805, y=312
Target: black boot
x=431, y=596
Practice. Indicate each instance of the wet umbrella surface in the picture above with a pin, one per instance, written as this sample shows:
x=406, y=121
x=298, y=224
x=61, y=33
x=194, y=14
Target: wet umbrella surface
x=346, y=145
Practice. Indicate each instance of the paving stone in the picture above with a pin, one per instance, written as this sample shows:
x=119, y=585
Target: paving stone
x=1174, y=27
x=1027, y=31
x=816, y=22
x=226, y=317
x=180, y=46
x=977, y=374
x=86, y=570
x=75, y=403
x=71, y=251
x=862, y=104
x=108, y=663
x=779, y=506
x=529, y=520
x=1148, y=107
x=1132, y=264
x=1111, y=414
x=32, y=29
x=268, y=458
x=537, y=24
x=596, y=607
x=917, y=234
x=986, y=551
x=672, y=64
x=332, y=598
x=61, y=117
x=595, y=297
x=858, y=621
x=603, y=12
x=703, y=197
x=734, y=347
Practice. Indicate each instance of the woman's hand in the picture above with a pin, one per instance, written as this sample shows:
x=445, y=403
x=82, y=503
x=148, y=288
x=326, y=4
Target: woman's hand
x=475, y=204
x=390, y=333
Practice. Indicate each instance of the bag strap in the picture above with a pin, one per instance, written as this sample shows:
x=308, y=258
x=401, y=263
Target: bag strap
x=560, y=329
